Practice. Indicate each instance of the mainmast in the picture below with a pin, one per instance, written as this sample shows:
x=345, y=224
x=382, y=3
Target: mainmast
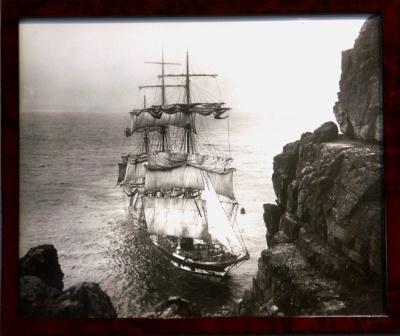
x=187, y=75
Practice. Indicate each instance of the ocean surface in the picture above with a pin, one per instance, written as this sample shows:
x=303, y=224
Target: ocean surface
x=69, y=198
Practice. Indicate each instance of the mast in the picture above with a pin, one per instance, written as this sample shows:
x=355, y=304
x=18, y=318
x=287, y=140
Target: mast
x=159, y=117
x=162, y=86
x=187, y=87
x=187, y=80
x=162, y=80
x=163, y=130
x=146, y=133
x=188, y=133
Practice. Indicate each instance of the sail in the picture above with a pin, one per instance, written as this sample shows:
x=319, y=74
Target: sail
x=204, y=109
x=146, y=120
x=219, y=226
x=166, y=160
x=230, y=209
x=135, y=158
x=174, y=114
x=135, y=173
x=121, y=171
x=179, y=217
x=189, y=177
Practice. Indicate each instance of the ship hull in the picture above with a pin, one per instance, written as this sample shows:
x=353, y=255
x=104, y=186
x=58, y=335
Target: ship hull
x=210, y=270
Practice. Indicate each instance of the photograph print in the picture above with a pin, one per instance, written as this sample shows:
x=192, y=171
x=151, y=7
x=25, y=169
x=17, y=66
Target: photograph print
x=174, y=168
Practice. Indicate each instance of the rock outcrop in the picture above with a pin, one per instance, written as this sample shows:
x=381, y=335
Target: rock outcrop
x=325, y=233
x=174, y=307
x=42, y=262
x=359, y=108
x=41, y=295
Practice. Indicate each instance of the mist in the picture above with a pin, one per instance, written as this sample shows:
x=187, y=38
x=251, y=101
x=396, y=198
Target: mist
x=282, y=72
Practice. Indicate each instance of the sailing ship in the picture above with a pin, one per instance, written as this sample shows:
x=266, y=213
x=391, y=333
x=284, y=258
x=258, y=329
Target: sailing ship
x=183, y=195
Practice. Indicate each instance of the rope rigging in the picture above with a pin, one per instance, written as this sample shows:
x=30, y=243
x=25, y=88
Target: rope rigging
x=180, y=119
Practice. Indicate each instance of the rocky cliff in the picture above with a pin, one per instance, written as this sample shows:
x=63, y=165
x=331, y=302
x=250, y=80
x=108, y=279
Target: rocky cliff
x=325, y=233
x=359, y=108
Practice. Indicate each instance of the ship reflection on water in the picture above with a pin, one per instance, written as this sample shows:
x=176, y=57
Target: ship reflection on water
x=146, y=277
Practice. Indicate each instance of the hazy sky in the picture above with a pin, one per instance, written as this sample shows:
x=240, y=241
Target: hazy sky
x=272, y=68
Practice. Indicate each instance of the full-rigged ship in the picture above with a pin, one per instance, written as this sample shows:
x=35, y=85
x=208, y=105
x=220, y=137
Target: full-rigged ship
x=183, y=194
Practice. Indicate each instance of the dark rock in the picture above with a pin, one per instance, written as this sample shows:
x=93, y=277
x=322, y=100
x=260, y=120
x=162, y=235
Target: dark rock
x=229, y=309
x=340, y=198
x=84, y=300
x=40, y=286
x=292, y=192
x=271, y=220
x=174, y=307
x=286, y=280
x=329, y=261
x=34, y=296
x=42, y=262
x=328, y=244
x=359, y=107
x=290, y=225
x=285, y=170
x=331, y=307
x=279, y=238
x=325, y=133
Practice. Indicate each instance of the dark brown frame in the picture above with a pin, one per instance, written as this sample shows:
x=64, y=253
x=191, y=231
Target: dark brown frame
x=14, y=10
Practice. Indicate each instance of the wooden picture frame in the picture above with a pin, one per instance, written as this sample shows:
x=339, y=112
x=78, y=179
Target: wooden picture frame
x=15, y=10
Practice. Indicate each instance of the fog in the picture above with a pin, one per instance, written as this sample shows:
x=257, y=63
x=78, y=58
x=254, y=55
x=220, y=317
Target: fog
x=287, y=68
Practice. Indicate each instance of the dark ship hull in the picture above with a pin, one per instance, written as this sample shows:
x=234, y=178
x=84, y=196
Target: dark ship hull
x=213, y=268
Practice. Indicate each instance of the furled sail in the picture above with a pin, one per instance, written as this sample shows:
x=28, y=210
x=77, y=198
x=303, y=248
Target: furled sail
x=146, y=120
x=179, y=217
x=189, y=177
x=204, y=109
x=219, y=225
x=166, y=160
x=174, y=114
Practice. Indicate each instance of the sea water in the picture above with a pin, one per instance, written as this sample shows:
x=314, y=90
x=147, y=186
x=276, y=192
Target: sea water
x=69, y=198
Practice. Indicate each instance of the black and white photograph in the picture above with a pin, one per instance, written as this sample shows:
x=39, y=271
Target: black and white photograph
x=201, y=167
